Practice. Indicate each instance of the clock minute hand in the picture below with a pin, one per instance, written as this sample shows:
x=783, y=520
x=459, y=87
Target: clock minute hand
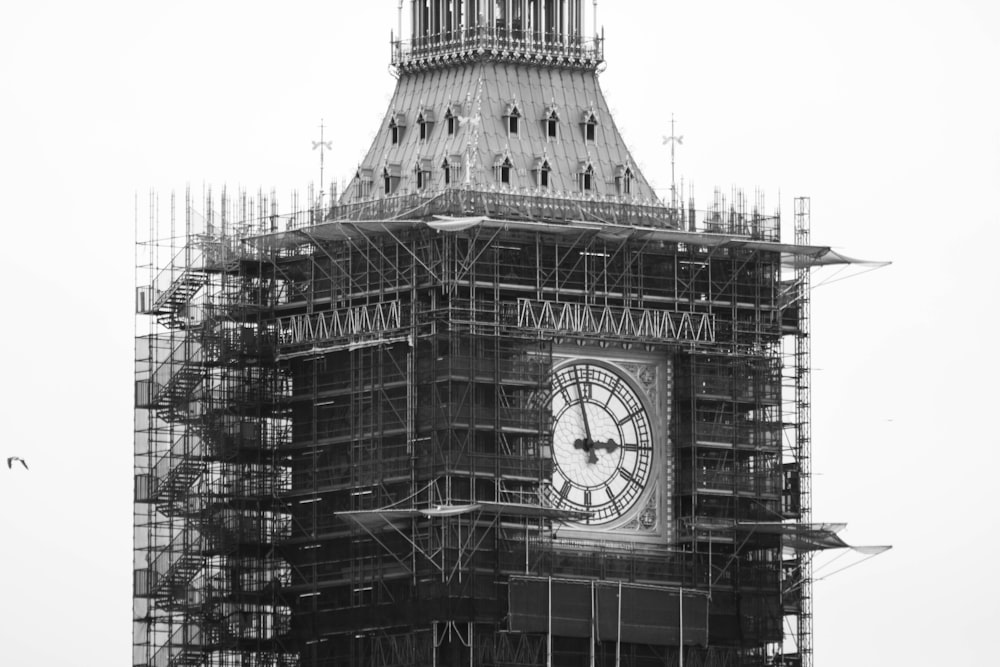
x=583, y=409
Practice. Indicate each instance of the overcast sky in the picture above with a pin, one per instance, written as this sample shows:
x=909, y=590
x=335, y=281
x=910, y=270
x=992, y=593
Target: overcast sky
x=885, y=112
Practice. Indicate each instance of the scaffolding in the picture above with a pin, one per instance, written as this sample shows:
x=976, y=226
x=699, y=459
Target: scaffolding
x=343, y=437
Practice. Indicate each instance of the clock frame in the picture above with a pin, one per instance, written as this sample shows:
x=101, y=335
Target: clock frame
x=603, y=444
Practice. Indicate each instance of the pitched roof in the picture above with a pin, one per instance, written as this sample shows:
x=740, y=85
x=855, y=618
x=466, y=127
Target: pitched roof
x=481, y=94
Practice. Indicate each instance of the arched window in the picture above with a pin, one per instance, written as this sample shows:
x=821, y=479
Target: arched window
x=586, y=177
x=542, y=169
x=503, y=169
x=512, y=118
x=451, y=167
x=623, y=180
x=551, y=123
x=390, y=178
x=366, y=184
x=589, y=126
x=422, y=173
x=425, y=119
x=396, y=126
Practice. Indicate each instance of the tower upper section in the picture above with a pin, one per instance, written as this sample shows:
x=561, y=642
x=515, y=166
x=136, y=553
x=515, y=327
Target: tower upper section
x=499, y=96
x=446, y=32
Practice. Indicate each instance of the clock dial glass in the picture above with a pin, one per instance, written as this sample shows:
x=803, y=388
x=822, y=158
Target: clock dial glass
x=601, y=444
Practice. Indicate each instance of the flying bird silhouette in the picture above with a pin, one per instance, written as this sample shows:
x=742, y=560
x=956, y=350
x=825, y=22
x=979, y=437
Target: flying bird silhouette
x=11, y=459
x=471, y=120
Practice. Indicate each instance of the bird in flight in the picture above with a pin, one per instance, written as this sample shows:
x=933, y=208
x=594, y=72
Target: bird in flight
x=11, y=459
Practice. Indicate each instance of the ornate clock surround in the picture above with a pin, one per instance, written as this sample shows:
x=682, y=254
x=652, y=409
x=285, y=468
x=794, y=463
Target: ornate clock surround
x=649, y=517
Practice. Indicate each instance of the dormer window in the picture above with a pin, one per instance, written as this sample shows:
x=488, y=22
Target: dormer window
x=396, y=126
x=451, y=167
x=425, y=119
x=422, y=173
x=542, y=171
x=589, y=126
x=586, y=177
x=513, y=117
x=623, y=180
x=390, y=179
x=503, y=168
x=551, y=123
x=366, y=183
x=451, y=121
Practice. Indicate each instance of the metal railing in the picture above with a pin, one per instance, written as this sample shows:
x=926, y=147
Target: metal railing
x=498, y=40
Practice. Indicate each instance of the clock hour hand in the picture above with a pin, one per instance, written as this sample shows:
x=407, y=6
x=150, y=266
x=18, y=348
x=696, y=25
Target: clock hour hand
x=591, y=447
x=608, y=446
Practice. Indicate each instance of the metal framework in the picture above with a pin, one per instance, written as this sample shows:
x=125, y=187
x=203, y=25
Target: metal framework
x=342, y=433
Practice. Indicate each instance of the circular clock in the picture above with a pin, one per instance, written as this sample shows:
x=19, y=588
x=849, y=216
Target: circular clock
x=602, y=447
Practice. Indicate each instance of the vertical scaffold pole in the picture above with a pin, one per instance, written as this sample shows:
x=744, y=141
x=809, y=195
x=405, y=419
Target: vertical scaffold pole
x=680, y=648
x=548, y=639
x=593, y=624
x=803, y=400
x=618, y=636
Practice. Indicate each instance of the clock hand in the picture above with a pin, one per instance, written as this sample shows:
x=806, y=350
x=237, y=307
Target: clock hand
x=583, y=409
x=608, y=446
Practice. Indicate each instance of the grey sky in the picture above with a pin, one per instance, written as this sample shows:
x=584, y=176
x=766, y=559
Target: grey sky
x=885, y=112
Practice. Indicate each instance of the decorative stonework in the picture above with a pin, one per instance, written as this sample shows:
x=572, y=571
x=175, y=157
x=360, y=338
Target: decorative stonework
x=646, y=520
x=646, y=376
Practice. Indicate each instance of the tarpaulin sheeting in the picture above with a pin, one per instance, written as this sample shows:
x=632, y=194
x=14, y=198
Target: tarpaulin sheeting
x=648, y=614
x=802, y=536
x=824, y=258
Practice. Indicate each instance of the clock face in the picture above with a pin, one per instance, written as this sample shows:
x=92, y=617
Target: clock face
x=601, y=445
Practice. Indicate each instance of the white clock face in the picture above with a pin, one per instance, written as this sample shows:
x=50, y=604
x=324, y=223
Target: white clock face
x=601, y=444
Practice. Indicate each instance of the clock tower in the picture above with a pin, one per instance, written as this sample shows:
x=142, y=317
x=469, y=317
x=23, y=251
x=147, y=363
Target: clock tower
x=497, y=405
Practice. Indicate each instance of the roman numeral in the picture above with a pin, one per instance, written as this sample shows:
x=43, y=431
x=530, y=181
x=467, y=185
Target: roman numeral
x=629, y=417
x=634, y=446
x=611, y=391
x=613, y=498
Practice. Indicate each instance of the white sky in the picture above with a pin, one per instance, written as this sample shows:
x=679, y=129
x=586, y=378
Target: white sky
x=885, y=112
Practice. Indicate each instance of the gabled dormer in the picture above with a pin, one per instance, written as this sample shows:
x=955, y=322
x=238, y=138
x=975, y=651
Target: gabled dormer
x=588, y=124
x=364, y=180
x=397, y=125
x=503, y=169
x=391, y=176
x=542, y=171
x=451, y=118
x=425, y=123
x=451, y=168
x=422, y=173
x=550, y=122
x=624, y=179
x=586, y=177
x=512, y=118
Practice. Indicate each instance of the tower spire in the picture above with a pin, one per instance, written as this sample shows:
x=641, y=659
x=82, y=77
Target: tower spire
x=323, y=146
x=673, y=140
